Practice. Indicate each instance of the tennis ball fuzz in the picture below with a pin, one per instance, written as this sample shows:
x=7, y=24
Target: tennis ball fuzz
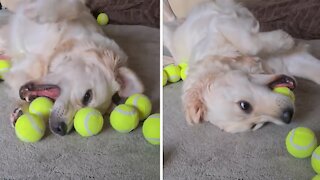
x=285, y=91
x=30, y=128
x=151, y=129
x=88, y=122
x=4, y=67
x=142, y=103
x=124, y=118
x=182, y=65
x=164, y=78
x=183, y=73
x=41, y=106
x=173, y=73
x=315, y=160
x=301, y=142
x=316, y=177
x=102, y=19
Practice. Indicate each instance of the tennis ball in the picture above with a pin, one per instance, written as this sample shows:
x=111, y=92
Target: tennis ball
x=164, y=78
x=142, y=103
x=88, y=122
x=182, y=65
x=184, y=72
x=151, y=129
x=285, y=91
x=316, y=177
x=4, y=67
x=124, y=118
x=300, y=142
x=102, y=19
x=173, y=73
x=41, y=106
x=30, y=128
x=315, y=160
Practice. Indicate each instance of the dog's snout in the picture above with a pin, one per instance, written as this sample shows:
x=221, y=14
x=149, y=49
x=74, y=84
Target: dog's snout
x=287, y=115
x=60, y=128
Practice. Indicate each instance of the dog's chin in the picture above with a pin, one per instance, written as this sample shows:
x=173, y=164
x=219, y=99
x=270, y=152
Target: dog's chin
x=31, y=91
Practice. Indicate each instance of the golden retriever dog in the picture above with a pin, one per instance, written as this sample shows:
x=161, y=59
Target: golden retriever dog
x=58, y=51
x=233, y=67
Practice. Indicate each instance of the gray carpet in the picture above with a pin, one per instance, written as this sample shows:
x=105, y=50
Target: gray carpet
x=205, y=152
x=109, y=155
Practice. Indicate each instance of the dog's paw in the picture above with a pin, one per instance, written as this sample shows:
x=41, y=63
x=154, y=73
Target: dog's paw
x=286, y=41
x=17, y=112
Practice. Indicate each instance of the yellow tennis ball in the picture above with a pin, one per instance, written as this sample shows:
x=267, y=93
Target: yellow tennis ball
x=164, y=78
x=4, y=67
x=315, y=160
x=124, y=118
x=285, y=91
x=102, y=19
x=142, y=103
x=182, y=65
x=41, y=106
x=30, y=128
x=184, y=72
x=301, y=142
x=88, y=122
x=151, y=129
x=173, y=73
x=316, y=177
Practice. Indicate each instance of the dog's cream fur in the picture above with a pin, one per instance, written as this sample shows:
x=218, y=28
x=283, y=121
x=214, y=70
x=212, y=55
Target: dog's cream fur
x=59, y=42
x=230, y=60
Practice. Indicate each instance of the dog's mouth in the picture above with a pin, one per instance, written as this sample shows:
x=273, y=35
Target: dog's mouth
x=30, y=91
x=283, y=81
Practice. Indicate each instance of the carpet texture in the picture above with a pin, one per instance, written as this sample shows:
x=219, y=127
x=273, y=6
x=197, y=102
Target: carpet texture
x=205, y=152
x=109, y=155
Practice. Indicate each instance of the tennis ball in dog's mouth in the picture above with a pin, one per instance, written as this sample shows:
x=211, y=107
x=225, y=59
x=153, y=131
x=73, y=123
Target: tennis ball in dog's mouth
x=151, y=129
x=301, y=142
x=124, y=118
x=41, y=106
x=285, y=91
x=30, y=128
x=142, y=103
x=4, y=67
x=102, y=19
x=173, y=73
x=88, y=122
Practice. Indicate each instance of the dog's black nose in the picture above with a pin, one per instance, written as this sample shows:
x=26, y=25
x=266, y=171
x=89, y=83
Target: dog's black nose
x=287, y=115
x=60, y=128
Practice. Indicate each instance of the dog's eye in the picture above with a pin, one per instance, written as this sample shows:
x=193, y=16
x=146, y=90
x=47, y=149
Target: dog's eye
x=87, y=97
x=245, y=106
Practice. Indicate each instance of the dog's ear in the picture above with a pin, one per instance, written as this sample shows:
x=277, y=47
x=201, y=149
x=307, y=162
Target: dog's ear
x=193, y=101
x=129, y=82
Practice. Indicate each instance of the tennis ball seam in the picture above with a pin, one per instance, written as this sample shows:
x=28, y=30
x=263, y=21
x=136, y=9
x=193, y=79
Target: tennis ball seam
x=132, y=112
x=298, y=147
x=315, y=155
x=34, y=124
x=86, y=121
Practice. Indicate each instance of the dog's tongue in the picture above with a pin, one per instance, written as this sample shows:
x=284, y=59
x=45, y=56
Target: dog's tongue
x=52, y=93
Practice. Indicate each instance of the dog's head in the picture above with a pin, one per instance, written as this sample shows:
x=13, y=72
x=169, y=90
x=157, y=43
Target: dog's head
x=233, y=99
x=85, y=76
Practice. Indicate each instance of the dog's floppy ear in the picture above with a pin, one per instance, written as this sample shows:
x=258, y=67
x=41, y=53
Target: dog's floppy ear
x=129, y=82
x=193, y=101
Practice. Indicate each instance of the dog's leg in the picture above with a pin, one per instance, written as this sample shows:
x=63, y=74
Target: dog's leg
x=50, y=11
x=300, y=64
x=251, y=42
